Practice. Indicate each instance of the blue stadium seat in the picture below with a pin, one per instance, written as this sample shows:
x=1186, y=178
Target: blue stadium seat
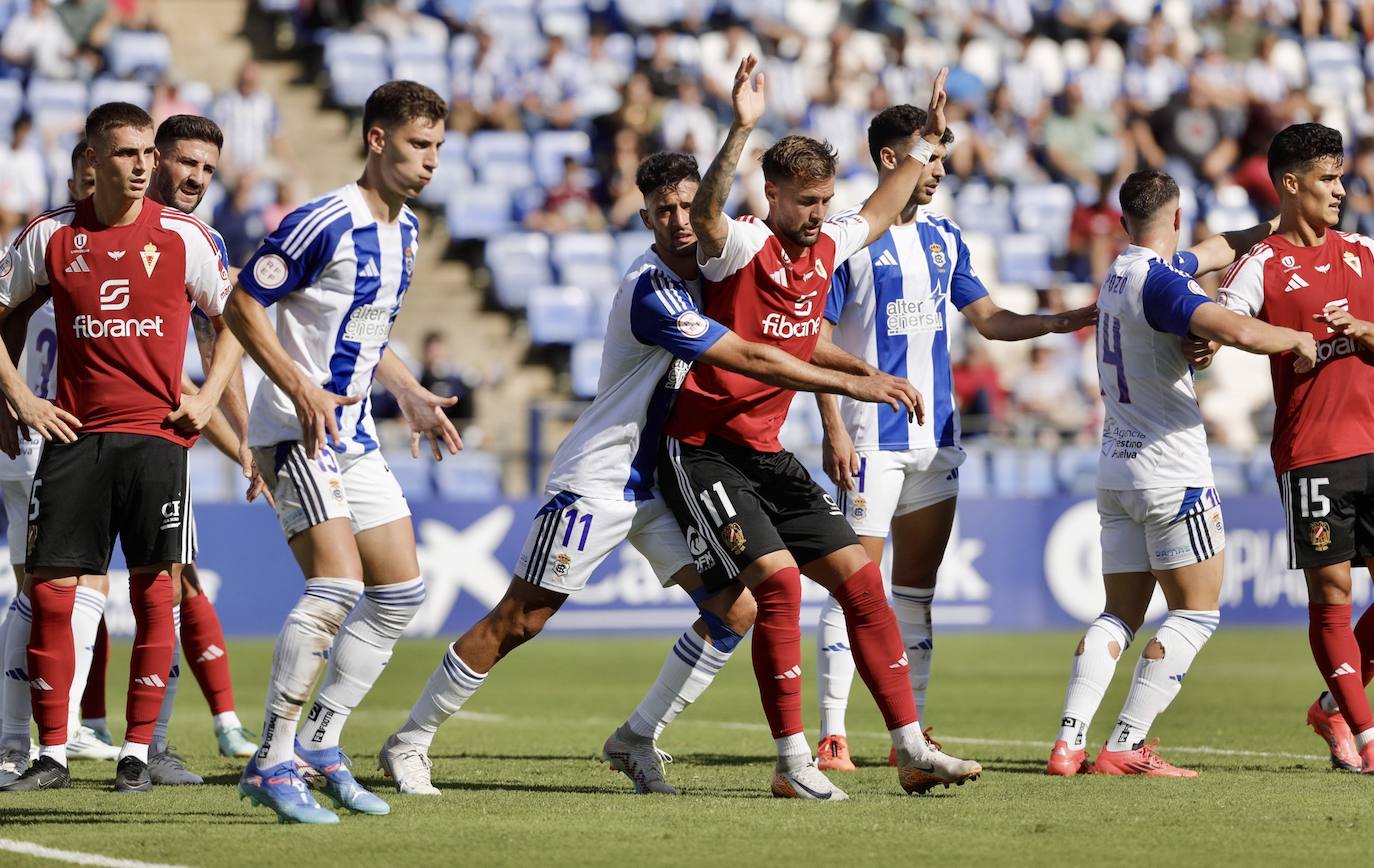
x=629, y=246
x=453, y=176
x=106, y=89
x=479, y=212
x=57, y=107
x=345, y=47
x=558, y=314
x=1045, y=210
x=411, y=47
x=513, y=175
x=517, y=261
x=552, y=146
x=979, y=208
x=515, y=29
x=1334, y=65
x=586, y=367
x=469, y=476
x=594, y=247
x=143, y=53
x=416, y=477
x=461, y=51
x=1022, y=473
x=432, y=72
x=1076, y=469
x=499, y=146
x=1024, y=258
x=279, y=7
x=973, y=473
x=597, y=278
x=1228, y=471
x=11, y=102
x=352, y=82
x=210, y=475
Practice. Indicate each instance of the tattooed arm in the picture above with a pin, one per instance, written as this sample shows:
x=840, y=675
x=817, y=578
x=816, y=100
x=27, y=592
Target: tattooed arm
x=709, y=222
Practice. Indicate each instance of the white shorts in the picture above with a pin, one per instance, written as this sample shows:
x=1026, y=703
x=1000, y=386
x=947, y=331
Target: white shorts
x=16, y=493
x=572, y=535
x=896, y=483
x=360, y=488
x=1159, y=528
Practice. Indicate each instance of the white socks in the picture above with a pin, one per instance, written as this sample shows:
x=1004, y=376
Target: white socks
x=912, y=608
x=301, y=653
x=1091, y=674
x=688, y=670
x=164, y=714
x=133, y=749
x=227, y=720
x=14, y=686
x=1157, y=682
x=449, y=687
x=793, y=751
x=87, y=610
x=834, y=667
x=361, y=652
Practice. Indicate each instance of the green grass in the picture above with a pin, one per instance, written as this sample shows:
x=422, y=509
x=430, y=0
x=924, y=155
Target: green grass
x=521, y=788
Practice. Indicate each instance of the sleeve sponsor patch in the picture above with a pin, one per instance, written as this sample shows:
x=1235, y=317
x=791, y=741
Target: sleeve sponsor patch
x=7, y=264
x=270, y=271
x=691, y=324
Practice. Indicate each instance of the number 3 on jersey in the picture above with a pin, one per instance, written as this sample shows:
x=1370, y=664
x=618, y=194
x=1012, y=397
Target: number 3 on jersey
x=1109, y=330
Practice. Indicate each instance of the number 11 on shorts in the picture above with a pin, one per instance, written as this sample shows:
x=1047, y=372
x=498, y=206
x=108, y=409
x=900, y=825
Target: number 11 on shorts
x=725, y=505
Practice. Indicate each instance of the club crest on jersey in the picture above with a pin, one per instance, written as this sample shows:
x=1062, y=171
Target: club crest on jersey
x=1319, y=535
x=937, y=256
x=1351, y=259
x=409, y=255
x=562, y=564
x=733, y=537
x=336, y=489
x=150, y=256
x=859, y=509
x=79, y=243
x=1289, y=263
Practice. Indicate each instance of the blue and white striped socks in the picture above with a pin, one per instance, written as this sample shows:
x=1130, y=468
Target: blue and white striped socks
x=360, y=653
x=1157, y=682
x=449, y=687
x=690, y=667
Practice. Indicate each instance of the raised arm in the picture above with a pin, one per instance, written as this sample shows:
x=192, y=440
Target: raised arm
x=709, y=222
x=1221, y=250
x=894, y=192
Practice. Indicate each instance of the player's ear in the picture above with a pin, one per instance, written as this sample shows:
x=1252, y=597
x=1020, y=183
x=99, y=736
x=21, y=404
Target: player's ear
x=888, y=157
x=644, y=218
x=1178, y=219
x=770, y=191
x=376, y=140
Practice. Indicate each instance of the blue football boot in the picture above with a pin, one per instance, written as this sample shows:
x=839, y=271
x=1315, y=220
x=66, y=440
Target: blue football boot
x=339, y=783
x=282, y=790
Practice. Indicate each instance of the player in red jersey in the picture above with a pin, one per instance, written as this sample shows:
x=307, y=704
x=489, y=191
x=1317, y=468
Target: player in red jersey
x=123, y=274
x=1308, y=276
x=726, y=476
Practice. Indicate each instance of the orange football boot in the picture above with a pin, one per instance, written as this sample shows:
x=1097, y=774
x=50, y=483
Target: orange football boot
x=1140, y=761
x=832, y=754
x=1066, y=763
x=1336, y=733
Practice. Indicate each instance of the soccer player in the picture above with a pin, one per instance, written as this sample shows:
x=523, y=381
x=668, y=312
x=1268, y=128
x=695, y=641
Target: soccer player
x=1161, y=517
x=337, y=268
x=1310, y=277
x=726, y=477
x=130, y=271
x=602, y=492
x=889, y=306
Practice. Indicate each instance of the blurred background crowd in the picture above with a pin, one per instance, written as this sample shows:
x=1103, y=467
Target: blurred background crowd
x=554, y=102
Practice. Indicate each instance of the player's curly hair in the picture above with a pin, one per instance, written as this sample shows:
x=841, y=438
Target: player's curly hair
x=800, y=158
x=179, y=128
x=894, y=125
x=400, y=102
x=665, y=169
x=1298, y=146
x=1144, y=193
x=112, y=116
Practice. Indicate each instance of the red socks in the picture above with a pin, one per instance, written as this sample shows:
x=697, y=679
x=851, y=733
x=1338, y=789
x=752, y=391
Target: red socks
x=879, y=654
x=777, y=650
x=93, y=700
x=1364, y=634
x=154, y=638
x=1340, y=660
x=52, y=659
x=202, y=645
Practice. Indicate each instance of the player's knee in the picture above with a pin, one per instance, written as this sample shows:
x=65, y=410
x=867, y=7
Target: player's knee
x=742, y=613
x=1154, y=650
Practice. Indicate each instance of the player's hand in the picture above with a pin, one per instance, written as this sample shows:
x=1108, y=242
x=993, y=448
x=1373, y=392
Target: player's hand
x=840, y=459
x=1071, y=320
x=1340, y=321
x=1199, y=351
x=424, y=412
x=895, y=392
x=1306, y=348
x=9, y=431
x=747, y=96
x=315, y=409
x=934, y=129
x=45, y=417
x=192, y=415
x=256, y=486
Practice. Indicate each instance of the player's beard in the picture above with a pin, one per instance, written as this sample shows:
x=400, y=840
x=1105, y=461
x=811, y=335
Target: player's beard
x=799, y=238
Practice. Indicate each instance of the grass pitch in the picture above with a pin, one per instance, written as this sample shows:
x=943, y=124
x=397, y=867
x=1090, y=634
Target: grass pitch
x=521, y=787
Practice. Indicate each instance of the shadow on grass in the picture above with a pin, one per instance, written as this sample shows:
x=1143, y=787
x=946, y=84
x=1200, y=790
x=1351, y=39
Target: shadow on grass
x=156, y=815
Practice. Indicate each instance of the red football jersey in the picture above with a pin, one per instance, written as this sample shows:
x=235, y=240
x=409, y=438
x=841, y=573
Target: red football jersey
x=122, y=296
x=761, y=294
x=1328, y=413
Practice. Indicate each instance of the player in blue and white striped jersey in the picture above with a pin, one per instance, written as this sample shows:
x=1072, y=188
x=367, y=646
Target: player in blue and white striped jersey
x=602, y=493
x=889, y=305
x=338, y=268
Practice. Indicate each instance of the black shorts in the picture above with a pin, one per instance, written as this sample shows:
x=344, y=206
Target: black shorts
x=104, y=485
x=1329, y=510
x=736, y=504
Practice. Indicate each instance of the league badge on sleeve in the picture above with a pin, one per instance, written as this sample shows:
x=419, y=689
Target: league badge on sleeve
x=691, y=324
x=7, y=264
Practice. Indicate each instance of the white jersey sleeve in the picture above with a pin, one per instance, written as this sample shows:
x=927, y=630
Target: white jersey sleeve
x=207, y=278
x=23, y=268
x=743, y=241
x=1243, y=289
x=849, y=232
x=295, y=254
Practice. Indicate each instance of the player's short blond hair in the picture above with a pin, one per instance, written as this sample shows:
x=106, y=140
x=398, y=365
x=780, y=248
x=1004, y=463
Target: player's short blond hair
x=799, y=158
